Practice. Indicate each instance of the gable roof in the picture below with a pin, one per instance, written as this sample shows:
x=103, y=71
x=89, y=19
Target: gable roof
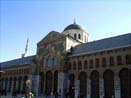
x=50, y=36
x=103, y=44
x=19, y=61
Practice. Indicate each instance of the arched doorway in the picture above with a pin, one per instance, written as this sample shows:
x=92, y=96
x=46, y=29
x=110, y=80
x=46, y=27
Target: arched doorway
x=83, y=84
x=41, y=82
x=125, y=83
x=10, y=84
x=55, y=81
x=48, y=85
x=24, y=84
x=108, y=83
x=14, y=84
x=6, y=81
x=19, y=84
x=71, y=86
x=94, y=84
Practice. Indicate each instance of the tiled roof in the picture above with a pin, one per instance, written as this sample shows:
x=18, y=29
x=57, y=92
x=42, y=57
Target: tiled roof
x=103, y=44
x=19, y=61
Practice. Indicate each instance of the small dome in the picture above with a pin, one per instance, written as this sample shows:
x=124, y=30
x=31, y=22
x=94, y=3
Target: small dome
x=73, y=26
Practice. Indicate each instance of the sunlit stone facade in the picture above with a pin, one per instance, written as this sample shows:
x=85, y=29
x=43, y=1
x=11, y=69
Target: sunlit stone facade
x=68, y=64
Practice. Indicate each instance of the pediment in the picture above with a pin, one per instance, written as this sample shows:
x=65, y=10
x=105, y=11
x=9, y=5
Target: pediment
x=50, y=37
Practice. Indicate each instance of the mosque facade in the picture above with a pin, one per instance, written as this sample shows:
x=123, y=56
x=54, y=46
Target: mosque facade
x=68, y=65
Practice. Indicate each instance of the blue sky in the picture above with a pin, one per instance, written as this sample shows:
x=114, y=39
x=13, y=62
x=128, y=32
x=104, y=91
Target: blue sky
x=35, y=19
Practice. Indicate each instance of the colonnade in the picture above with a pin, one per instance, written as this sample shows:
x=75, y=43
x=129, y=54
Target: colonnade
x=10, y=85
x=95, y=86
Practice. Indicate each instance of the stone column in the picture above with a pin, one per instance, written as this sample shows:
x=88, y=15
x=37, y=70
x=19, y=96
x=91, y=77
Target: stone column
x=4, y=84
x=60, y=83
x=117, y=87
x=77, y=88
x=7, y=85
x=35, y=84
x=88, y=88
x=101, y=88
x=30, y=85
x=22, y=81
x=12, y=86
x=68, y=84
x=1, y=84
x=17, y=84
x=6, y=81
x=52, y=83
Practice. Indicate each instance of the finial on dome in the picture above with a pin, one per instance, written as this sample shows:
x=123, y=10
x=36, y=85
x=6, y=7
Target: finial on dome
x=74, y=21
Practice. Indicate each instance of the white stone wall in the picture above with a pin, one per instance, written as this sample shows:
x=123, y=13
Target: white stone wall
x=71, y=32
x=70, y=42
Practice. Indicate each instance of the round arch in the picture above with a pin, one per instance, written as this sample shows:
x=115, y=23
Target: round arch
x=48, y=85
x=125, y=82
x=10, y=84
x=94, y=84
x=41, y=82
x=24, y=84
x=71, y=85
x=108, y=76
x=55, y=81
x=6, y=81
x=14, y=84
x=83, y=83
x=19, y=84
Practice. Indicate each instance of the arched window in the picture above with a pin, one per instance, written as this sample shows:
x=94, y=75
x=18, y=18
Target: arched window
x=125, y=83
x=79, y=65
x=49, y=82
x=75, y=35
x=97, y=63
x=74, y=65
x=119, y=60
x=104, y=62
x=49, y=62
x=85, y=64
x=91, y=63
x=71, y=88
x=108, y=83
x=83, y=84
x=128, y=59
x=46, y=64
x=94, y=84
x=79, y=36
x=111, y=61
x=55, y=61
x=69, y=66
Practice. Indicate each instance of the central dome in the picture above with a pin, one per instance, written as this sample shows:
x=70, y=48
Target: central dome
x=73, y=26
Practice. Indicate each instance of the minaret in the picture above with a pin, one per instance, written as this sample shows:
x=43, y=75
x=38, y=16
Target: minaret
x=74, y=21
x=27, y=46
x=26, y=49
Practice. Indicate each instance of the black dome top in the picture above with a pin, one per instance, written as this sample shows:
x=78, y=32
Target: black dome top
x=73, y=26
